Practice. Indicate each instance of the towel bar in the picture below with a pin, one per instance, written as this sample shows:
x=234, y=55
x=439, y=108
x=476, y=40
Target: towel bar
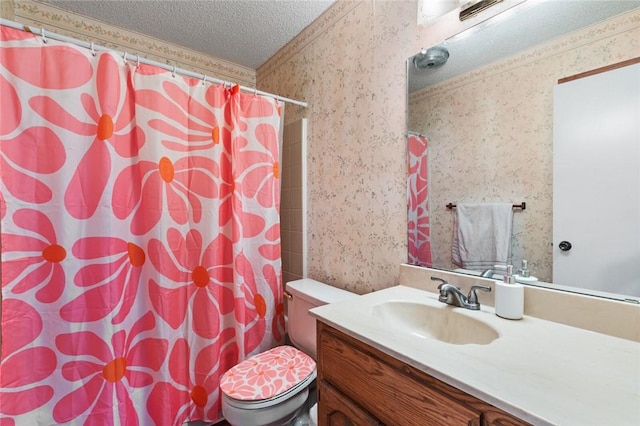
x=522, y=206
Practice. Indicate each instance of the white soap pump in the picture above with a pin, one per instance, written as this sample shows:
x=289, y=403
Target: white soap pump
x=524, y=276
x=509, y=298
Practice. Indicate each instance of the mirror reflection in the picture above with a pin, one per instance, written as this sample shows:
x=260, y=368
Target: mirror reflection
x=484, y=117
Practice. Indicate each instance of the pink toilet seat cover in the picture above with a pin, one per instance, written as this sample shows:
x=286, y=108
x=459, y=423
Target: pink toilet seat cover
x=267, y=374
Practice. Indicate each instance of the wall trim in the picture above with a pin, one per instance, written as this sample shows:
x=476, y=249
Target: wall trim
x=67, y=23
x=600, y=70
x=331, y=16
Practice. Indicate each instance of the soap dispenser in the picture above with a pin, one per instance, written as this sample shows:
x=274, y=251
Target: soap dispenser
x=509, y=297
x=524, y=276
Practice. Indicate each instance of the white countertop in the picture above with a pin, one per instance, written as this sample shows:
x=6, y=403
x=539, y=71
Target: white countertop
x=540, y=371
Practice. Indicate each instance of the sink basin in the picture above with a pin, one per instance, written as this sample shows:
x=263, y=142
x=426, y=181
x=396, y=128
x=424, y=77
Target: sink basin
x=442, y=323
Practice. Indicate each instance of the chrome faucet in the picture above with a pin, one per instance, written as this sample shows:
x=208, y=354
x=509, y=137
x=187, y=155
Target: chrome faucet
x=452, y=295
x=488, y=273
x=496, y=270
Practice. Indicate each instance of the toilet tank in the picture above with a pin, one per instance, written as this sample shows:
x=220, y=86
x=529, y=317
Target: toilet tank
x=308, y=294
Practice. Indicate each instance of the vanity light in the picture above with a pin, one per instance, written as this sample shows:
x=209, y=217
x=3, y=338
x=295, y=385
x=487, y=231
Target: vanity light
x=471, y=8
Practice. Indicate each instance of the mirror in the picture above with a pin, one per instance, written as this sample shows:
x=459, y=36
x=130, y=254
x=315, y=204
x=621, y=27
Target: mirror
x=487, y=113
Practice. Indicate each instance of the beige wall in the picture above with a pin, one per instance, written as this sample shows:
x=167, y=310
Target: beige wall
x=500, y=148
x=54, y=19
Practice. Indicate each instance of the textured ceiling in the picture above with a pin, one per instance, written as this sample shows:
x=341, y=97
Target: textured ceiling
x=535, y=23
x=245, y=32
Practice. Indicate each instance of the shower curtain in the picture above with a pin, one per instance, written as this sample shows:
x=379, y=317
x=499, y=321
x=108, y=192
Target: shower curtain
x=140, y=237
x=419, y=232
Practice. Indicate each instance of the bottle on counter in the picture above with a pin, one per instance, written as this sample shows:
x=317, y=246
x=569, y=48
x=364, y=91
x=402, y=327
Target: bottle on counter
x=509, y=297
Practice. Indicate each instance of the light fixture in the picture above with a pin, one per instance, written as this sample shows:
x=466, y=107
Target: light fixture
x=471, y=8
x=431, y=58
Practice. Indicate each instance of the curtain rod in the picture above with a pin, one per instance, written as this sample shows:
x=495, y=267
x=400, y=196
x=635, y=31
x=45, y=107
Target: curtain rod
x=125, y=55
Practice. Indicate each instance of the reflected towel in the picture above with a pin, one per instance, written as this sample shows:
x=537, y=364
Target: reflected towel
x=482, y=235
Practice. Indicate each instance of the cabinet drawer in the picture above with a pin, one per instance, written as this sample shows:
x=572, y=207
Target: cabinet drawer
x=387, y=393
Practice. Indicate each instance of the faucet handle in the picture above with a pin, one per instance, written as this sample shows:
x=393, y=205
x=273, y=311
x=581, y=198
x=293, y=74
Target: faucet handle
x=442, y=282
x=473, y=297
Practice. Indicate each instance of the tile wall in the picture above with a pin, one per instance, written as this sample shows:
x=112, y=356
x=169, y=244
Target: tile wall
x=292, y=213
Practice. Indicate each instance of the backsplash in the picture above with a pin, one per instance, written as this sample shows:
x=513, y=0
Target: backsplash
x=612, y=317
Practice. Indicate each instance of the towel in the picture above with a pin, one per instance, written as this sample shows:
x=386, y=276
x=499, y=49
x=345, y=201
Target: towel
x=482, y=235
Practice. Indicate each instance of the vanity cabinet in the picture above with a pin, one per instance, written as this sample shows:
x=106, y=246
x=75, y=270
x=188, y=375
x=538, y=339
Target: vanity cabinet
x=360, y=385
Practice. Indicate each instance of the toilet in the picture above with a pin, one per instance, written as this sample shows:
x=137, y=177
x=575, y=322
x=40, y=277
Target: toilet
x=272, y=387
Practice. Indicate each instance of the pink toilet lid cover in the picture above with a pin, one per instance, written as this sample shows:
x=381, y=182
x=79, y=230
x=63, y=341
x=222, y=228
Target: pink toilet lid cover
x=267, y=374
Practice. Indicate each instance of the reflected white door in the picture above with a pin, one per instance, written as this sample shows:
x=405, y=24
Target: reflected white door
x=596, y=182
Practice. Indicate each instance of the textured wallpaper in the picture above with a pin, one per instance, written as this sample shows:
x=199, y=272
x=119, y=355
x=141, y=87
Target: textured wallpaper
x=54, y=19
x=501, y=146
x=6, y=9
x=348, y=67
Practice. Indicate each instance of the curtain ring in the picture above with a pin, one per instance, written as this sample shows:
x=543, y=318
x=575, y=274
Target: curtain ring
x=255, y=92
x=93, y=51
x=124, y=58
x=204, y=79
x=173, y=73
x=44, y=37
x=137, y=61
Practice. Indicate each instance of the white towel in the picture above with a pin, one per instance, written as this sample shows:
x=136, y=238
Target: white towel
x=482, y=235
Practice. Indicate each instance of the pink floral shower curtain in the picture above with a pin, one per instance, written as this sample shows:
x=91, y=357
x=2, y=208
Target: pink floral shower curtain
x=140, y=237
x=419, y=231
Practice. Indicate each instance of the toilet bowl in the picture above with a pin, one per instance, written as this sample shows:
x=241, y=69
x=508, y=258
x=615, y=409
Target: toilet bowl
x=272, y=387
x=313, y=415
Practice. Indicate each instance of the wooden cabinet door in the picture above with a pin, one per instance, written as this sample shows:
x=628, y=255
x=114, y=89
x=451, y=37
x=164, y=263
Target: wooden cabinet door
x=385, y=391
x=335, y=409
